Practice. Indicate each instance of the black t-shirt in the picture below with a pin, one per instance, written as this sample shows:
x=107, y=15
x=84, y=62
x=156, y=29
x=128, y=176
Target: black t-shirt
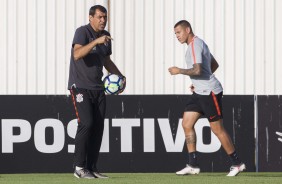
x=87, y=72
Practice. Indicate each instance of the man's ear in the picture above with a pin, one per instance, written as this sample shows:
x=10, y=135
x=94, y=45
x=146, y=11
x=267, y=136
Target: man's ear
x=90, y=18
x=188, y=30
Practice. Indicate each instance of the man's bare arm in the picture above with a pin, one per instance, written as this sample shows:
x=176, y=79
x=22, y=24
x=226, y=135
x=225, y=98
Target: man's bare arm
x=195, y=71
x=80, y=51
x=111, y=67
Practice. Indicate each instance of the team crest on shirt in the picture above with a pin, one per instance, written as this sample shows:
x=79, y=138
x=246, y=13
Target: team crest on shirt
x=79, y=97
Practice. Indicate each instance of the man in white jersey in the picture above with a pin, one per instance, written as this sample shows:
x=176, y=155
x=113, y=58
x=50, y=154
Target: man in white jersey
x=205, y=100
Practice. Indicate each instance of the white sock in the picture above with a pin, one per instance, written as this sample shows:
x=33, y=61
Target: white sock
x=78, y=168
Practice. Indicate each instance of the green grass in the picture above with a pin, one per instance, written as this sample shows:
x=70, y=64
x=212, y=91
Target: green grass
x=151, y=178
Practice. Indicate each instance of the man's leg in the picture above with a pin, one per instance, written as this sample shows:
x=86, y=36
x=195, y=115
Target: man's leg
x=97, y=133
x=218, y=129
x=189, y=120
x=212, y=107
x=84, y=111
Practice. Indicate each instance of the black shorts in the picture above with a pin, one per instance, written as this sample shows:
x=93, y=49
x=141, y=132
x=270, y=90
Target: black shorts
x=208, y=105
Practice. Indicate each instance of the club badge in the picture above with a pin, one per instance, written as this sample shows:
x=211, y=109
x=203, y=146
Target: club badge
x=79, y=97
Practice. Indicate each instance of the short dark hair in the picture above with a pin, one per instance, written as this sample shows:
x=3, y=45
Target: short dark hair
x=184, y=24
x=93, y=9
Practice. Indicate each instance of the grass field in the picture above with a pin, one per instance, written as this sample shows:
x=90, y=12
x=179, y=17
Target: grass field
x=152, y=178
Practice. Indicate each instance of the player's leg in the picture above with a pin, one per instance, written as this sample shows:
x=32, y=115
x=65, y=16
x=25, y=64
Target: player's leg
x=224, y=138
x=83, y=108
x=188, y=123
x=213, y=111
x=190, y=117
x=212, y=107
x=237, y=165
x=189, y=120
x=99, y=105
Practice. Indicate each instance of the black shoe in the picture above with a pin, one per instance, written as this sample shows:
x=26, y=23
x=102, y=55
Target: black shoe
x=83, y=173
x=99, y=175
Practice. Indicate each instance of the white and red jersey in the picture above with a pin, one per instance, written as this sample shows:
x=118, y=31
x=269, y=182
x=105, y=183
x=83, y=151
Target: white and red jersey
x=198, y=52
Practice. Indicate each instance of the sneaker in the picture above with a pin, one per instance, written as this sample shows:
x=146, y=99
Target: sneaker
x=236, y=169
x=83, y=173
x=99, y=175
x=188, y=170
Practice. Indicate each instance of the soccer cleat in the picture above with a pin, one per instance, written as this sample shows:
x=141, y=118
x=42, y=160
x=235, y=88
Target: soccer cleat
x=99, y=175
x=83, y=173
x=236, y=169
x=188, y=170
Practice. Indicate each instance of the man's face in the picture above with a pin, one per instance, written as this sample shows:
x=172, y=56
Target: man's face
x=181, y=33
x=98, y=21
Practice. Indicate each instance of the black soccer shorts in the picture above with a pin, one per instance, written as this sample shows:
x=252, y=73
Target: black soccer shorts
x=209, y=106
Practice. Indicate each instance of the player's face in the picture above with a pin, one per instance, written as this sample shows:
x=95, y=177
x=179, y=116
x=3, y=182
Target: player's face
x=181, y=34
x=99, y=20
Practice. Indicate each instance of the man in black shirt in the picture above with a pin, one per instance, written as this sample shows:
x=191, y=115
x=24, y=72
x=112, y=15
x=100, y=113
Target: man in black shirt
x=91, y=50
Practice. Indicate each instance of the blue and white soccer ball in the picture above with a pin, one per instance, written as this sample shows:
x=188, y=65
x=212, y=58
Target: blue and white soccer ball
x=113, y=84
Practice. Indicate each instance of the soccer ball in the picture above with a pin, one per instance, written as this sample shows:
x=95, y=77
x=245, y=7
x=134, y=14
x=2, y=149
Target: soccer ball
x=113, y=84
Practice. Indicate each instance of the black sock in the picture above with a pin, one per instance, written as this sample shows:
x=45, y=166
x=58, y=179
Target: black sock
x=193, y=159
x=234, y=158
